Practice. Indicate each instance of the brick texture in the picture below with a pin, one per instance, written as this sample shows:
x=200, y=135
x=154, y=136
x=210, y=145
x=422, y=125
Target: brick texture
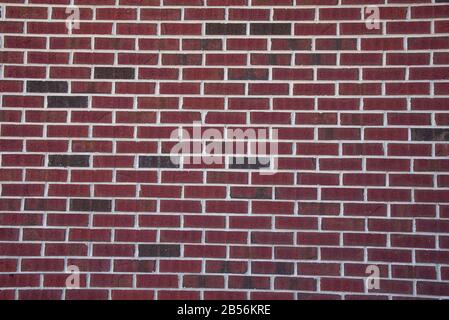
x=87, y=179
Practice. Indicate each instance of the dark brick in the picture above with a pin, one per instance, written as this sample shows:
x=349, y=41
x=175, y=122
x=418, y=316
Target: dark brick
x=292, y=44
x=67, y=102
x=248, y=74
x=156, y=162
x=114, y=73
x=247, y=164
x=44, y=204
x=226, y=29
x=336, y=44
x=247, y=282
x=159, y=250
x=234, y=267
x=273, y=268
x=93, y=205
x=430, y=134
x=68, y=160
x=271, y=29
x=48, y=86
x=195, y=281
x=250, y=193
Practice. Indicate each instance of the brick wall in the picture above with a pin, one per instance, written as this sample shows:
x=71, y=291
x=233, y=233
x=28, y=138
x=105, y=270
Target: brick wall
x=362, y=117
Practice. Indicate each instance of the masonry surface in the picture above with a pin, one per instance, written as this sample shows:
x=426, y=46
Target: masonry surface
x=87, y=180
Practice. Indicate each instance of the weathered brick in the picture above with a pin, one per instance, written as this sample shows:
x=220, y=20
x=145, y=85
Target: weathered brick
x=430, y=134
x=68, y=161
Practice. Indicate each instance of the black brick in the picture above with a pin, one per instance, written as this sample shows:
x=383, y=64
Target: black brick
x=86, y=205
x=271, y=29
x=430, y=134
x=156, y=162
x=114, y=73
x=68, y=160
x=247, y=164
x=226, y=29
x=47, y=86
x=67, y=102
x=159, y=250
